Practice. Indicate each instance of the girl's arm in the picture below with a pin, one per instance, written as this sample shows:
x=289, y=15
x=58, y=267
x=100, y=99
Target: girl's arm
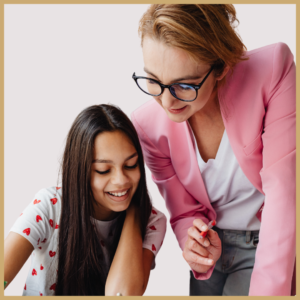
x=16, y=251
x=32, y=226
x=130, y=269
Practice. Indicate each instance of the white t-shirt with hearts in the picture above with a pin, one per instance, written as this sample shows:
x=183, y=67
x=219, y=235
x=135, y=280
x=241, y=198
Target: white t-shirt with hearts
x=39, y=224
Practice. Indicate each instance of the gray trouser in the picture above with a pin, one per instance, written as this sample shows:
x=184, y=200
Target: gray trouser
x=232, y=273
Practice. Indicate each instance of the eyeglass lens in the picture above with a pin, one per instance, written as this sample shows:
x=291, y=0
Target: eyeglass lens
x=181, y=91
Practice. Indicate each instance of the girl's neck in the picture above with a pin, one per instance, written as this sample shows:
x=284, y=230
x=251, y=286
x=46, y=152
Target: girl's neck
x=103, y=214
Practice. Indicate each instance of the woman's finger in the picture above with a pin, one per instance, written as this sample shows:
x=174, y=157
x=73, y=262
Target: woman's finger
x=213, y=238
x=201, y=226
x=192, y=257
x=194, y=246
x=194, y=233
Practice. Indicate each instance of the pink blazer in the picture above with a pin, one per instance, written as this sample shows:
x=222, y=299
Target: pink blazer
x=258, y=108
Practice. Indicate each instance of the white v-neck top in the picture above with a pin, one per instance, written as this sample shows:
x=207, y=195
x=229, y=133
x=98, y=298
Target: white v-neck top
x=234, y=198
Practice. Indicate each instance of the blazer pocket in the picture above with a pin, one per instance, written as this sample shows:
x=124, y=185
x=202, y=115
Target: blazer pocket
x=257, y=143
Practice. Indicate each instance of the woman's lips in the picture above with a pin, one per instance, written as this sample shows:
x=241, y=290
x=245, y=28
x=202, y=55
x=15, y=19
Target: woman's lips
x=177, y=111
x=118, y=199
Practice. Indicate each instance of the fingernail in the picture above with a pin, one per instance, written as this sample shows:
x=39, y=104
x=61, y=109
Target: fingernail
x=210, y=261
x=204, y=227
x=206, y=243
x=200, y=237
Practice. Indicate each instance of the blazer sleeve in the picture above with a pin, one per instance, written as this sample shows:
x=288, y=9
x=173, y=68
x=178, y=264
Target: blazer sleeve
x=275, y=256
x=182, y=207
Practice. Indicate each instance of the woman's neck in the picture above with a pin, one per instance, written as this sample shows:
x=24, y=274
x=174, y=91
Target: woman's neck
x=210, y=113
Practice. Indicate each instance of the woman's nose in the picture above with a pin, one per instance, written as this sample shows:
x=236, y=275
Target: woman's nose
x=167, y=99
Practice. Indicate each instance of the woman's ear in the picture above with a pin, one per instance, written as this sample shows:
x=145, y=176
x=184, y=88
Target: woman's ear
x=225, y=71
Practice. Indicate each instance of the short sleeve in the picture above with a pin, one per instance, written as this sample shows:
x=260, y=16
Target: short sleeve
x=38, y=220
x=155, y=232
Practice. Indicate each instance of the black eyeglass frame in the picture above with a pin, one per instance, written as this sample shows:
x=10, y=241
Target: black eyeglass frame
x=163, y=86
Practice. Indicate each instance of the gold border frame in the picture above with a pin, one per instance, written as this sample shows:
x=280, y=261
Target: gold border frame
x=3, y=2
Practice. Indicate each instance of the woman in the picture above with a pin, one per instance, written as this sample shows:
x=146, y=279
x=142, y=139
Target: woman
x=97, y=234
x=219, y=139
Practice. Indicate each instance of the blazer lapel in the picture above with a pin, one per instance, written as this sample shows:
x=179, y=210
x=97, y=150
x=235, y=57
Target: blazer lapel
x=242, y=117
x=184, y=161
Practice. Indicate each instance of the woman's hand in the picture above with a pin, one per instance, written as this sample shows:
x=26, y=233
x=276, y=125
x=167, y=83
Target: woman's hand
x=202, y=254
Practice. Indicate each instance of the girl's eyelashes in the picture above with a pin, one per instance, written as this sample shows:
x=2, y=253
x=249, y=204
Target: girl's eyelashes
x=132, y=167
x=127, y=167
x=104, y=172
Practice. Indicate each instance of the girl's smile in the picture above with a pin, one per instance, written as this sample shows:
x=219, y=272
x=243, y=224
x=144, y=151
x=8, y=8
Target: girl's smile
x=115, y=174
x=118, y=196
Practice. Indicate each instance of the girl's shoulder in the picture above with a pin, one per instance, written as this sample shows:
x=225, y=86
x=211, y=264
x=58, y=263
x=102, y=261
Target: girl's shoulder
x=155, y=232
x=46, y=200
x=157, y=220
x=40, y=219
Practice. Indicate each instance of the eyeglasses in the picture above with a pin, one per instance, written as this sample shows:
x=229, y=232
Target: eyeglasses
x=181, y=91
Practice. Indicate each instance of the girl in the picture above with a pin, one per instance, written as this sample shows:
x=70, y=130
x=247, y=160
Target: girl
x=219, y=139
x=97, y=233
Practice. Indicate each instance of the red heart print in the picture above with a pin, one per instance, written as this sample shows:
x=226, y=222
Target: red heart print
x=52, y=253
x=57, y=188
x=153, y=247
x=102, y=243
x=40, y=248
x=36, y=201
x=51, y=222
x=27, y=231
x=52, y=287
x=53, y=200
x=34, y=272
x=56, y=226
x=41, y=267
x=41, y=294
x=44, y=240
x=38, y=218
x=154, y=212
x=25, y=287
x=152, y=227
x=38, y=241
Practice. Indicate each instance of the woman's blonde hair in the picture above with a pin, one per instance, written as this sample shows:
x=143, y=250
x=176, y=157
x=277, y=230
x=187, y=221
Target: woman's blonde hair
x=205, y=31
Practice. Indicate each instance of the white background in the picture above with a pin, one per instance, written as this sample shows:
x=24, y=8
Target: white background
x=59, y=59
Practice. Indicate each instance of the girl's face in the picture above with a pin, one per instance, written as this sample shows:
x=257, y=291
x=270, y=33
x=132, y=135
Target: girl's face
x=169, y=65
x=115, y=173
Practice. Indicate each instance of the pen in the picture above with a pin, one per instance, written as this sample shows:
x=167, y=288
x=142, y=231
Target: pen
x=210, y=225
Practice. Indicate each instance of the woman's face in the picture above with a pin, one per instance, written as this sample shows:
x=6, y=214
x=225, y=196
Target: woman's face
x=169, y=65
x=115, y=173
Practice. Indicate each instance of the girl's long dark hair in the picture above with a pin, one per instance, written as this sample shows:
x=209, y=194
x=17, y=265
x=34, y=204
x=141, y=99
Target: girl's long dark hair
x=80, y=265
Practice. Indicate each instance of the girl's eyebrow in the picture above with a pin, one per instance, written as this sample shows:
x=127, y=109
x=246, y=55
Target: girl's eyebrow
x=110, y=161
x=192, y=77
